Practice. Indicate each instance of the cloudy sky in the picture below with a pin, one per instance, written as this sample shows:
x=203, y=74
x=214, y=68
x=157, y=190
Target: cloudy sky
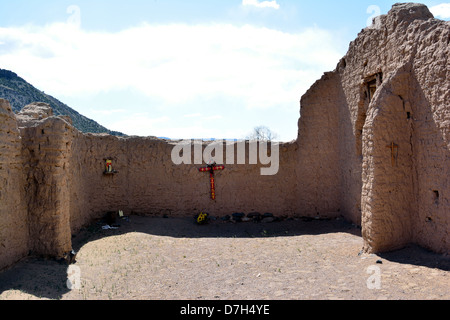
x=183, y=69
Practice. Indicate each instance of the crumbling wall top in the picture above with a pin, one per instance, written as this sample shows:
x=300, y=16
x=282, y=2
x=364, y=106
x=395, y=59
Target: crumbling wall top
x=5, y=107
x=410, y=12
x=32, y=112
x=37, y=112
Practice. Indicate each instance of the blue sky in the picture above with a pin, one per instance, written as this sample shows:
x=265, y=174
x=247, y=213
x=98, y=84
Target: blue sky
x=183, y=69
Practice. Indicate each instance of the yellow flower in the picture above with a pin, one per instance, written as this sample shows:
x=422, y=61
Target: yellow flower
x=201, y=217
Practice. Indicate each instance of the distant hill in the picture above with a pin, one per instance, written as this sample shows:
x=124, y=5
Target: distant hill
x=20, y=93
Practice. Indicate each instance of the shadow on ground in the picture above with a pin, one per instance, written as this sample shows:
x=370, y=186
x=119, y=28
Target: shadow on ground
x=38, y=277
x=48, y=279
x=415, y=255
x=217, y=228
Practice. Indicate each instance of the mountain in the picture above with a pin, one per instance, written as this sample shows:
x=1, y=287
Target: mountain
x=20, y=93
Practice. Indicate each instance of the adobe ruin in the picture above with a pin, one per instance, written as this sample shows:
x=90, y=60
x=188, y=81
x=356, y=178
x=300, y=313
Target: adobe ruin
x=373, y=146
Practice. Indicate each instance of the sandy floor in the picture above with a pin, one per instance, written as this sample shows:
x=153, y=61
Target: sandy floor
x=175, y=259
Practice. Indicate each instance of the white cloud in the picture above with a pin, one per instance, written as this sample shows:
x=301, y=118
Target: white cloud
x=213, y=117
x=176, y=65
x=264, y=4
x=441, y=10
x=139, y=124
x=192, y=115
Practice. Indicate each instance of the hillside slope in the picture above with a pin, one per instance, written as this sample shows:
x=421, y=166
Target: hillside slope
x=20, y=93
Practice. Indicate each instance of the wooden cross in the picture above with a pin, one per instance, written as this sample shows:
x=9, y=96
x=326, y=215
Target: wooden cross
x=211, y=168
x=393, y=146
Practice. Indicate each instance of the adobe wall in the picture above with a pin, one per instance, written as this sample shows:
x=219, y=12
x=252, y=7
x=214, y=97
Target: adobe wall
x=46, y=147
x=149, y=183
x=391, y=88
x=61, y=185
x=405, y=57
x=14, y=237
x=318, y=158
x=412, y=111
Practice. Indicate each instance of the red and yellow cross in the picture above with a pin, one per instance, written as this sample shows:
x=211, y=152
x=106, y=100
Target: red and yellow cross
x=211, y=169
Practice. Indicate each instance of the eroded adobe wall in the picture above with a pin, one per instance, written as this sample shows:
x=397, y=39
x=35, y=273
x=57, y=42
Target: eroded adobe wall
x=429, y=101
x=389, y=178
x=148, y=182
x=47, y=146
x=404, y=58
x=412, y=107
x=391, y=87
x=55, y=182
x=13, y=211
x=404, y=199
x=317, y=170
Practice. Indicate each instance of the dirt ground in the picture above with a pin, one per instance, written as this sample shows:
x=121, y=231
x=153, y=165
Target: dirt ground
x=149, y=258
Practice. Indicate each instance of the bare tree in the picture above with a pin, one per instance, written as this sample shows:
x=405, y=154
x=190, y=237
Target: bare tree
x=262, y=133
